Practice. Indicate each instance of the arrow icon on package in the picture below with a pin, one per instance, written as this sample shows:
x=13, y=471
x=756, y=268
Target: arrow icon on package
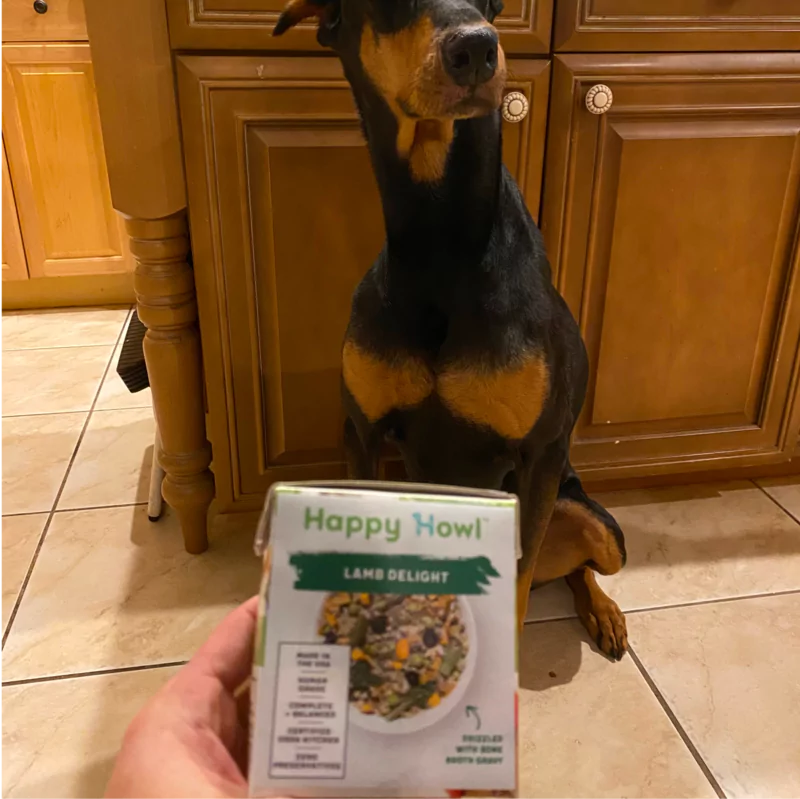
x=473, y=711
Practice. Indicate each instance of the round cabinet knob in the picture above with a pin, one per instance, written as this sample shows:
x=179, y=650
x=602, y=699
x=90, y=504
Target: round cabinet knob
x=599, y=99
x=515, y=107
x=40, y=6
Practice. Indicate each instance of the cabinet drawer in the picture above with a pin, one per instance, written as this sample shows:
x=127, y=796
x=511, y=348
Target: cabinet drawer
x=247, y=25
x=676, y=25
x=285, y=220
x=63, y=21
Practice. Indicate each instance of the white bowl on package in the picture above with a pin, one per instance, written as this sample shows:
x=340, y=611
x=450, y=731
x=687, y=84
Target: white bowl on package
x=429, y=715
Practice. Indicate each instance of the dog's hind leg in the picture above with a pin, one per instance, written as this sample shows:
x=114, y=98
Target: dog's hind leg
x=583, y=538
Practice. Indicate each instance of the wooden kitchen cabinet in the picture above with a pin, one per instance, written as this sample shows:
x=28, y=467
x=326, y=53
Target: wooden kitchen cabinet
x=676, y=25
x=51, y=129
x=524, y=26
x=14, y=266
x=671, y=221
x=286, y=219
x=672, y=224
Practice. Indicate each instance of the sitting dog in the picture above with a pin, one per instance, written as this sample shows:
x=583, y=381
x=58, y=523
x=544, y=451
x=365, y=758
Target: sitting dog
x=459, y=348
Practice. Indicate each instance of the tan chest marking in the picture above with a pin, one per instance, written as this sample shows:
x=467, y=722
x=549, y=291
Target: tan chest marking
x=508, y=401
x=379, y=386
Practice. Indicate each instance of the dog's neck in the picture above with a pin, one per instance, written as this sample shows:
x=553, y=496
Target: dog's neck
x=453, y=215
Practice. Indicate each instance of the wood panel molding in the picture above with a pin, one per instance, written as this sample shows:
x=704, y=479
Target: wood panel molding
x=68, y=292
x=241, y=108
x=525, y=26
x=14, y=264
x=524, y=142
x=676, y=25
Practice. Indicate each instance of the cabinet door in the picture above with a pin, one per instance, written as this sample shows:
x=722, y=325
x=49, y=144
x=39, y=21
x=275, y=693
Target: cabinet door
x=678, y=25
x=286, y=219
x=14, y=267
x=55, y=151
x=672, y=224
x=524, y=26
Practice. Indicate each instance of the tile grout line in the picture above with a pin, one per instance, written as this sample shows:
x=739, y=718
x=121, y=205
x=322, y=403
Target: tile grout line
x=716, y=601
x=679, y=605
x=94, y=673
x=46, y=413
x=775, y=501
x=60, y=491
x=78, y=410
x=75, y=510
x=59, y=347
x=707, y=773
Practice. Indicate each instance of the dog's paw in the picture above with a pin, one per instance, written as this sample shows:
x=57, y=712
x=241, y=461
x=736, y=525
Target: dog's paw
x=606, y=625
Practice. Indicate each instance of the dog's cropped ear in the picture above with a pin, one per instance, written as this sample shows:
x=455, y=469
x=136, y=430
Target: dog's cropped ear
x=298, y=10
x=493, y=8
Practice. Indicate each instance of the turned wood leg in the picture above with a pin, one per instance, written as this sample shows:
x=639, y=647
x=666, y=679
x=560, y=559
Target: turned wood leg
x=166, y=303
x=155, y=501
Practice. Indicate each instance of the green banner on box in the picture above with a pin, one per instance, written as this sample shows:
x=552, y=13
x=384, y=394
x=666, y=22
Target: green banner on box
x=390, y=574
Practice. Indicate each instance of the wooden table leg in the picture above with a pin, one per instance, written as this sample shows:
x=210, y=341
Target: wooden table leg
x=167, y=307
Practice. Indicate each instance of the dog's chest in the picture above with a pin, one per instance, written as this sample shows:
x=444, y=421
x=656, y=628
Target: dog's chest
x=507, y=400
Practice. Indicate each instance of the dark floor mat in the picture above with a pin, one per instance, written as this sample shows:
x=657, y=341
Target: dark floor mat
x=131, y=366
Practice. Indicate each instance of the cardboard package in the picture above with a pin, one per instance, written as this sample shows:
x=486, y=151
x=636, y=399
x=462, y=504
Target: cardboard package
x=385, y=660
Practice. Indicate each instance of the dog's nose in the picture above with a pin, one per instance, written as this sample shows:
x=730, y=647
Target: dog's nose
x=470, y=55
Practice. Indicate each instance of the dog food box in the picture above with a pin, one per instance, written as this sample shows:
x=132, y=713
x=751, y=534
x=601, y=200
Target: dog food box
x=385, y=657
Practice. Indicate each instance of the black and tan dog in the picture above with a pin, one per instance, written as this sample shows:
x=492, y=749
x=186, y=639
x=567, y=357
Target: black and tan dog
x=459, y=348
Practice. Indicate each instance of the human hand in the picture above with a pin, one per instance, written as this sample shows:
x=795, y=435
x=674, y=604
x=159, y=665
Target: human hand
x=190, y=740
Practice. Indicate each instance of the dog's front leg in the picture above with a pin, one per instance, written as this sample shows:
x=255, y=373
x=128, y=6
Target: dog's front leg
x=362, y=451
x=538, y=483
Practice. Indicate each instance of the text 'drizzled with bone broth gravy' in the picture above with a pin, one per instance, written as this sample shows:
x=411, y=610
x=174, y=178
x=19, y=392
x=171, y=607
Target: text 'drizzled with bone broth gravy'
x=385, y=660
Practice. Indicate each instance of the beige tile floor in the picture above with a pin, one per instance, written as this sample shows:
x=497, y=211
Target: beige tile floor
x=100, y=605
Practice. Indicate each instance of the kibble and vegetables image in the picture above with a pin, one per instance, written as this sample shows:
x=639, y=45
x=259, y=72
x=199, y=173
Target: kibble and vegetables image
x=408, y=652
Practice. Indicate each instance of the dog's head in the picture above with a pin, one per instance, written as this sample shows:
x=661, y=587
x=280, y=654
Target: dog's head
x=429, y=59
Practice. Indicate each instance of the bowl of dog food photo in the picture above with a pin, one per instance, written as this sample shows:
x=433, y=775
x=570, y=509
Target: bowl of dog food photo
x=411, y=656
